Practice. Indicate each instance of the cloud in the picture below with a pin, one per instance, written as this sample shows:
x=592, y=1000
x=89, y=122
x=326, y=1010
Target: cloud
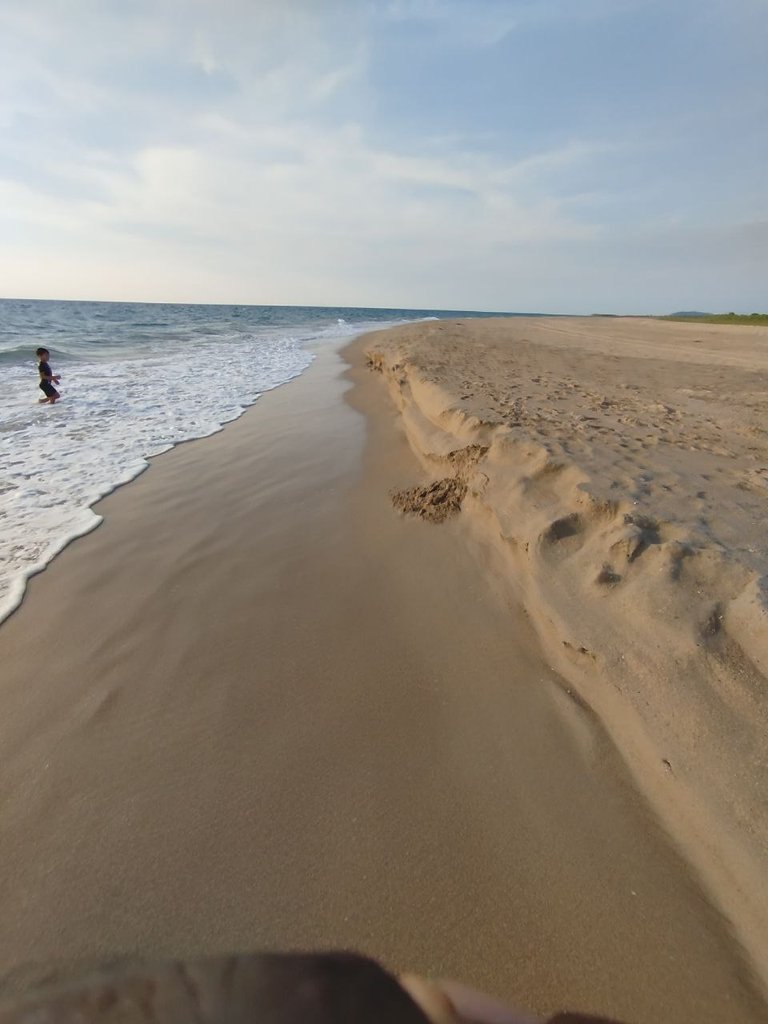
x=255, y=172
x=324, y=221
x=295, y=179
x=486, y=23
x=477, y=24
x=152, y=148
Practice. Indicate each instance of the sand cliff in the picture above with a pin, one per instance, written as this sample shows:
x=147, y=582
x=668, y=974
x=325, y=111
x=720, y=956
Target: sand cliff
x=614, y=474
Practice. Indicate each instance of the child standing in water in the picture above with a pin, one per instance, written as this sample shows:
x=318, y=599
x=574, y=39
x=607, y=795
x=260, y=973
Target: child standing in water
x=47, y=378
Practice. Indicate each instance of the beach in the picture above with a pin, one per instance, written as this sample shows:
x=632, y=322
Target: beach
x=261, y=708
x=613, y=474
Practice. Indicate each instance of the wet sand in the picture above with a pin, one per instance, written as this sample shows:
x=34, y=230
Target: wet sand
x=258, y=709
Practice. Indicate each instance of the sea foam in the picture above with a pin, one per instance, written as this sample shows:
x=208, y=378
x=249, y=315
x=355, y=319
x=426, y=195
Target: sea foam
x=123, y=401
x=136, y=379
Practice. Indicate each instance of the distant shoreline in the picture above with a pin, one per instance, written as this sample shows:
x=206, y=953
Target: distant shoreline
x=748, y=319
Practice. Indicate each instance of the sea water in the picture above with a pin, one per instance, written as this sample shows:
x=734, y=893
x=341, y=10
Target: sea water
x=136, y=379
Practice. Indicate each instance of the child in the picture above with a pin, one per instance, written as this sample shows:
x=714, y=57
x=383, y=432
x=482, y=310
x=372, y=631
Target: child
x=46, y=377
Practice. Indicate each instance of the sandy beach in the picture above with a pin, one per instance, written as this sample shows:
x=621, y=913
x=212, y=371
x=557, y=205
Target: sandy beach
x=259, y=707
x=613, y=473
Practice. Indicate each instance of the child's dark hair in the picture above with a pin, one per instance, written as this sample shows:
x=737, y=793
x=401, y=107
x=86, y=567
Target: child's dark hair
x=42, y=352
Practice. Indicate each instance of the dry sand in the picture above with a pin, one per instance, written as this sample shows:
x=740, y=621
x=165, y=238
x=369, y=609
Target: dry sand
x=617, y=469
x=259, y=709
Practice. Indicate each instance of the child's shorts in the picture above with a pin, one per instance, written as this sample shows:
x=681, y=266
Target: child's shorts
x=48, y=389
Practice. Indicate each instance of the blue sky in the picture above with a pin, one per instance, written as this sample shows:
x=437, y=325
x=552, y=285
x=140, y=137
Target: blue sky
x=554, y=155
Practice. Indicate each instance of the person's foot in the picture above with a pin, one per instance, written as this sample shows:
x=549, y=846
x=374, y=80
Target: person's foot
x=448, y=1002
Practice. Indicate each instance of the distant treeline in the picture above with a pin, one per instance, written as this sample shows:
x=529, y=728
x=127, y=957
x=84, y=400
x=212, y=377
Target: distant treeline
x=720, y=318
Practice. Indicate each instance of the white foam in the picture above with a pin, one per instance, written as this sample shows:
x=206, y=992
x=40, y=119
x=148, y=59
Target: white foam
x=55, y=462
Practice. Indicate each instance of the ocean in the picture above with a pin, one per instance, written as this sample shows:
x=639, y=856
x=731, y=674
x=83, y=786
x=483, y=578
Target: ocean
x=136, y=379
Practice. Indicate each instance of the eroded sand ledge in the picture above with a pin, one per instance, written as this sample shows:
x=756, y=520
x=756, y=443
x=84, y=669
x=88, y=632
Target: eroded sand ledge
x=618, y=469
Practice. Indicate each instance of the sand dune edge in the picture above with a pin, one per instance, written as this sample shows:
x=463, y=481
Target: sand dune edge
x=661, y=633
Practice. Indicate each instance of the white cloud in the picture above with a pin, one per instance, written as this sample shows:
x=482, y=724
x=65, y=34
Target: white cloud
x=477, y=23
x=328, y=182
x=339, y=216
x=254, y=178
x=487, y=22
x=229, y=150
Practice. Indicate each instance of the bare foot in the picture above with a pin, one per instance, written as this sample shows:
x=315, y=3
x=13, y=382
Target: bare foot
x=448, y=1002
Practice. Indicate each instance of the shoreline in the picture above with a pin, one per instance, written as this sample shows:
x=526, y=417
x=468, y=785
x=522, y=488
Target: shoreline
x=15, y=592
x=676, y=668
x=294, y=719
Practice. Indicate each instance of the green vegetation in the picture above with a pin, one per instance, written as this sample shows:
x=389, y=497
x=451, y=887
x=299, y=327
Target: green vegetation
x=722, y=318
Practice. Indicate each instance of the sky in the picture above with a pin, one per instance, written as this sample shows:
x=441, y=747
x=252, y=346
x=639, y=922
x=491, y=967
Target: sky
x=562, y=156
